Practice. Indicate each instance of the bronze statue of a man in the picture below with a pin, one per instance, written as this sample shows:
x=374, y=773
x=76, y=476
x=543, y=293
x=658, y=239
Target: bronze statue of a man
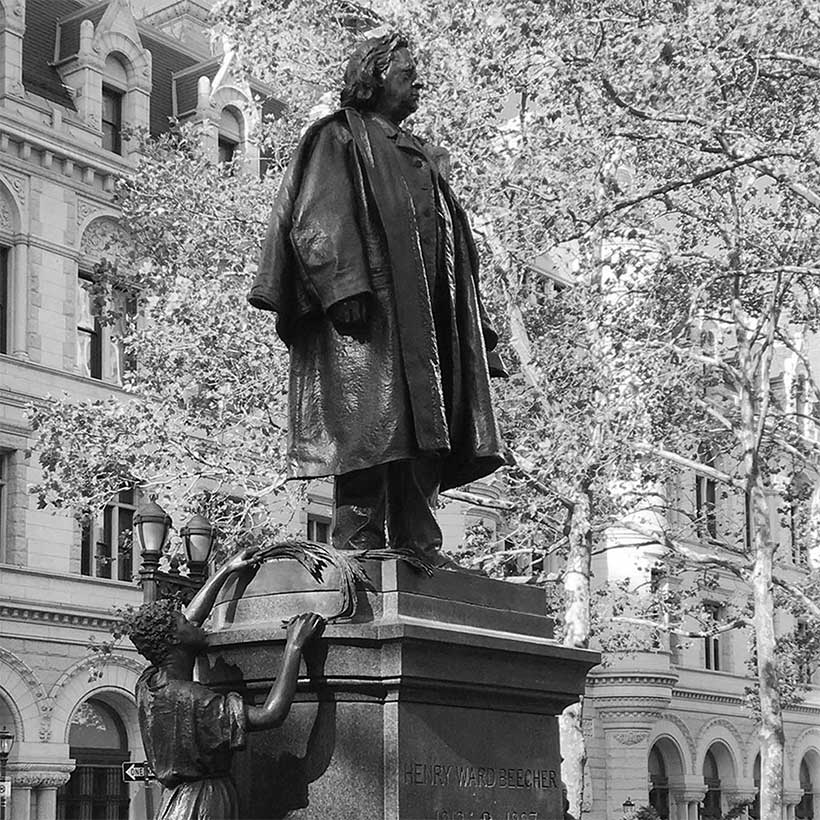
x=370, y=265
x=190, y=731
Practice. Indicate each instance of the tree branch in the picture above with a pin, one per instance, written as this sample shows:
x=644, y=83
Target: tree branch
x=647, y=114
x=689, y=464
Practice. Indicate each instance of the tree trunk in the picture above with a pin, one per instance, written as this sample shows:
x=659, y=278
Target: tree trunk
x=771, y=717
x=576, y=634
x=754, y=387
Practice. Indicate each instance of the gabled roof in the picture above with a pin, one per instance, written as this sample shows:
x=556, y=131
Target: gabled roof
x=39, y=76
x=53, y=35
x=185, y=83
x=166, y=61
x=68, y=29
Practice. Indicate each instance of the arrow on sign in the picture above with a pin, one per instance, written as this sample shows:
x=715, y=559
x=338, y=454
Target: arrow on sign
x=133, y=772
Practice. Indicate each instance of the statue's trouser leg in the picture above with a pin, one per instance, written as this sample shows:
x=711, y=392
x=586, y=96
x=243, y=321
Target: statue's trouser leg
x=359, y=499
x=412, y=491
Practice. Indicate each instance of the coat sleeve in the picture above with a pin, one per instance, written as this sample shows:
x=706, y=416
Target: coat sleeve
x=326, y=236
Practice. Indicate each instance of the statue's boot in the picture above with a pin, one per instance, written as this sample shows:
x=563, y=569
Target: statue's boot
x=412, y=495
x=358, y=528
x=359, y=510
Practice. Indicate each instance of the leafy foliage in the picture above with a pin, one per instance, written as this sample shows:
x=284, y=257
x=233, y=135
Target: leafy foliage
x=661, y=156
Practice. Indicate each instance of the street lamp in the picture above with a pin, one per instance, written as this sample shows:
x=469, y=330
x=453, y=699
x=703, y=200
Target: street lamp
x=152, y=525
x=198, y=535
x=628, y=807
x=6, y=742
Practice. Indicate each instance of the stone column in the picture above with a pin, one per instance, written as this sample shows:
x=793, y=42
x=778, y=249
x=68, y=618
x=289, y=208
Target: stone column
x=11, y=50
x=20, y=802
x=791, y=797
x=739, y=796
x=47, y=794
x=687, y=797
x=19, y=300
x=629, y=696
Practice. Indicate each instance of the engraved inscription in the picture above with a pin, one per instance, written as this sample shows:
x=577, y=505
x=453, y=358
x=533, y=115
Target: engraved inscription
x=478, y=777
x=457, y=814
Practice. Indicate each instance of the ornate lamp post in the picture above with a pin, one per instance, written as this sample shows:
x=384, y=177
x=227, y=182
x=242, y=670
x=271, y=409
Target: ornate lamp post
x=6, y=742
x=198, y=535
x=152, y=526
x=629, y=809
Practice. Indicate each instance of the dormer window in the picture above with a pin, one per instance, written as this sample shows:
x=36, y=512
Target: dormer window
x=112, y=119
x=230, y=135
x=114, y=85
x=227, y=150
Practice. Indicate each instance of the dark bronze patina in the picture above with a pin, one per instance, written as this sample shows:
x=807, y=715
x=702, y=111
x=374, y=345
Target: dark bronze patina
x=370, y=265
x=190, y=731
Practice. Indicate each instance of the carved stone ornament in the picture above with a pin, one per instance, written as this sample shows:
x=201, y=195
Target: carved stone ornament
x=6, y=218
x=31, y=777
x=102, y=237
x=631, y=738
x=18, y=184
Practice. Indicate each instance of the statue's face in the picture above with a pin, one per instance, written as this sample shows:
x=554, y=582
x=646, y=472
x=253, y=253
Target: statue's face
x=399, y=94
x=190, y=635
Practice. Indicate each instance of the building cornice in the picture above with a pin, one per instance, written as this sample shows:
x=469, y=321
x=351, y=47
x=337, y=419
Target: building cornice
x=107, y=388
x=712, y=697
x=50, y=149
x=54, y=615
x=597, y=679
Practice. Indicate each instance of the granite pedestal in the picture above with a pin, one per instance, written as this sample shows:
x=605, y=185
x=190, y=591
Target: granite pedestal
x=437, y=701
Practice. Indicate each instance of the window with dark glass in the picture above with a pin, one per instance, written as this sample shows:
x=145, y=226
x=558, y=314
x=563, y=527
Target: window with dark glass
x=754, y=809
x=658, y=784
x=230, y=134
x=112, y=119
x=120, y=360
x=106, y=544
x=99, y=745
x=712, y=798
x=706, y=497
x=798, y=533
x=89, y=331
x=100, y=351
x=5, y=468
x=5, y=301
x=711, y=643
x=805, y=669
x=804, y=810
x=318, y=529
x=227, y=150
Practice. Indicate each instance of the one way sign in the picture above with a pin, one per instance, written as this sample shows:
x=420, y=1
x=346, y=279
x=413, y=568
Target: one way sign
x=132, y=772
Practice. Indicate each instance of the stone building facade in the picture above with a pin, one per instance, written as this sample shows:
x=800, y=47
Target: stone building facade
x=73, y=75
x=668, y=727
x=671, y=728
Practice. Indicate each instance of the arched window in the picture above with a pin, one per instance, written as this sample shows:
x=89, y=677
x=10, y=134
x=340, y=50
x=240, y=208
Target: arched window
x=711, y=779
x=114, y=86
x=230, y=134
x=99, y=745
x=706, y=496
x=658, y=784
x=804, y=810
x=754, y=809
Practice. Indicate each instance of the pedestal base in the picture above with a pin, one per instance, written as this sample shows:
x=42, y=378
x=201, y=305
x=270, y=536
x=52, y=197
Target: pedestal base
x=437, y=702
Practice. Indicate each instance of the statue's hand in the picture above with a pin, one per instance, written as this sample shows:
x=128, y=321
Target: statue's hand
x=350, y=316
x=244, y=558
x=303, y=627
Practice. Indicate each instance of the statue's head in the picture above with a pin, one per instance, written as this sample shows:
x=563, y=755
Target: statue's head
x=381, y=76
x=158, y=628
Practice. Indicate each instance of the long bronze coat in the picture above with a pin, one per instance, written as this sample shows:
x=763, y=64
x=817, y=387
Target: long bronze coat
x=345, y=222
